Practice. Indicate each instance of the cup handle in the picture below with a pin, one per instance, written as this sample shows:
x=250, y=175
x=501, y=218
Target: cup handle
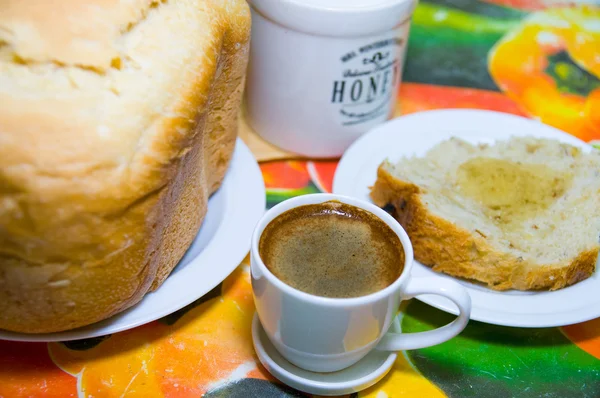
x=442, y=287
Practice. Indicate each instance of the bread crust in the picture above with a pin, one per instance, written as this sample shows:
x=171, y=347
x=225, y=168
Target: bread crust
x=448, y=248
x=104, y=180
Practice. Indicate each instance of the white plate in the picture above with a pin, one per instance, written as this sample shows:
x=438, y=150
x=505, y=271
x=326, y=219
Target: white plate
x=221, y=244
x=416, y=133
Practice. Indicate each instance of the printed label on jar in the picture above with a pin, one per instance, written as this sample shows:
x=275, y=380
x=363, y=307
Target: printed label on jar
x=370, y=74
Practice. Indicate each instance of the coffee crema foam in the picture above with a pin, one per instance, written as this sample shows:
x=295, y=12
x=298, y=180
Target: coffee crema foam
x=332, y=249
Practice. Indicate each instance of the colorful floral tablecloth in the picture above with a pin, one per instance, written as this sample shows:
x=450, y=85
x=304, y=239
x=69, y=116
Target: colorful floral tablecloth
x=539, y=58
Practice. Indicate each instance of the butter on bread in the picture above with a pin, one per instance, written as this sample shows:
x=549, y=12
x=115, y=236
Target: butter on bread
x=118, y=120
x=520, y=214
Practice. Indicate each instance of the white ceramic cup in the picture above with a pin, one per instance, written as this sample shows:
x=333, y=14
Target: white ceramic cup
x=323, y=334
x=323, y=72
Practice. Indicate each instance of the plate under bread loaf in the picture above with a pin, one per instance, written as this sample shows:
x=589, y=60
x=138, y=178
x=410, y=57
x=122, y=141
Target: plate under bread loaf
x=117, y=123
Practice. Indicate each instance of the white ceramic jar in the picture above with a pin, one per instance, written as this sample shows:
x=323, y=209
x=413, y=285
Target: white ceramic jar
x=322, y=72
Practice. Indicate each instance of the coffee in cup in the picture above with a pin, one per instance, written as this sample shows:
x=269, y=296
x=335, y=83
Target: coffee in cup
x=332, y=249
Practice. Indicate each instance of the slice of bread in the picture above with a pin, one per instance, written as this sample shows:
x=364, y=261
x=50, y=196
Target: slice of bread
x=520, y=214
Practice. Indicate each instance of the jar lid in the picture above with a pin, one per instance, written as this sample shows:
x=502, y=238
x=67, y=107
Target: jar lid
x=341, y=18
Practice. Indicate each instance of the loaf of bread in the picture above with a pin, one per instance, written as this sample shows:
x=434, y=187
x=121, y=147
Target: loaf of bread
x=118, y=120
x=521, y=214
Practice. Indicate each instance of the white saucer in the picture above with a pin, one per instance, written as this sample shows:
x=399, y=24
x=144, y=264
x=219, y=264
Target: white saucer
x=416, y=133
x=357, y=377
x=221, y=244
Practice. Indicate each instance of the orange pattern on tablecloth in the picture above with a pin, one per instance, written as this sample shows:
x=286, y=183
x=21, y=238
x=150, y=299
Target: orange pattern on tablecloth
x=321, y=173
x=585, y=335
x=530, y=5
x=518, y=64
x=292, y=175
x=417, y=97
x=26, y=370
x=208, y=346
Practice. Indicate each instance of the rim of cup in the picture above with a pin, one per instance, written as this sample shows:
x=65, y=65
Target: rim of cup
x=316, y=198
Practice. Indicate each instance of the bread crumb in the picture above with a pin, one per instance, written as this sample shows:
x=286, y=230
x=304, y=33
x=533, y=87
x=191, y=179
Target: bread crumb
x=61, y=283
